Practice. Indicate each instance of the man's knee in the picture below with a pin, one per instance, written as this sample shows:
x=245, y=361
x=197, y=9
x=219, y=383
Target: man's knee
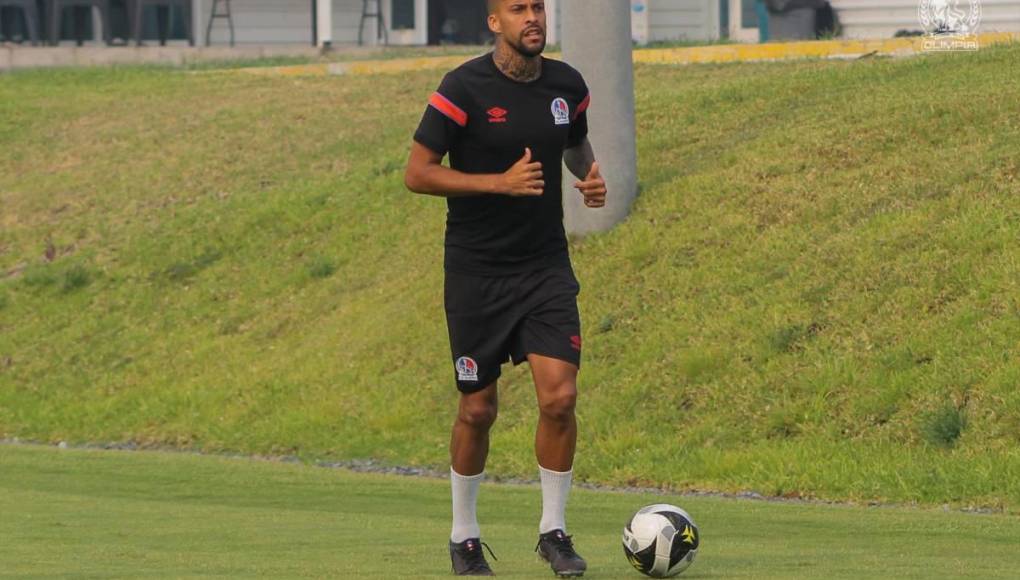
x=477, y=411
x=558, y=403
x=478, y=416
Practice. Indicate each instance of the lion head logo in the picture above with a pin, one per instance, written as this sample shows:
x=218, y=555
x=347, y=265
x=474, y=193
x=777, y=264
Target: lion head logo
x=950, y=17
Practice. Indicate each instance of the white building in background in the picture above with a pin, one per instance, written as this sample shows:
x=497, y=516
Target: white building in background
x=420, y=22
x=882, y=18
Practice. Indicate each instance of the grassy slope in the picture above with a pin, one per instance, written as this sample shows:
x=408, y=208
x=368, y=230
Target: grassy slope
x=818, y=281
x=111, y=514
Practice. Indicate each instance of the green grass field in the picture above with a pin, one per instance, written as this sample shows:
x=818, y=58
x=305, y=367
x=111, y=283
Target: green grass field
x=816, y=293
x=112, y=514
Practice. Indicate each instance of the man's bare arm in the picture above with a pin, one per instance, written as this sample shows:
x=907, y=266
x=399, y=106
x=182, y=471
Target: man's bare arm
x=426, y=174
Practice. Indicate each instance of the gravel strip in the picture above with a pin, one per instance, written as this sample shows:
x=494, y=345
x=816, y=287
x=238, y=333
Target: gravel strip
x=374, y=466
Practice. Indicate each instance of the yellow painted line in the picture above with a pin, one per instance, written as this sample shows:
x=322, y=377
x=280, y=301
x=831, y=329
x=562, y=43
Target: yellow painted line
x=396, y=66
x=795, y=50
x=298, y=70
x=361, y=67
x=684, y=55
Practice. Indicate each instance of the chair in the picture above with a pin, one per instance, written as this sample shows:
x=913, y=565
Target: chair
x=31, y=13
x=136, y=7
x=54, y=9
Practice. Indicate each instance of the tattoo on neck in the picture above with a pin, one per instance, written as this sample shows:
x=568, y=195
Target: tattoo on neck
x=515, y=65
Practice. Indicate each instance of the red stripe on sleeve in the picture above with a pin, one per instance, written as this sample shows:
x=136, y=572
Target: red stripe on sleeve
x=446, y=107
x=583, y=106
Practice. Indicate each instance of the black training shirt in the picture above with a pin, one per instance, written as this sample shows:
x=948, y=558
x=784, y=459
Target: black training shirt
x=484, y=120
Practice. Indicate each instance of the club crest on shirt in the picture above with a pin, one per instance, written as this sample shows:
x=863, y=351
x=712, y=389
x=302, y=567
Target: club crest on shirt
x=467, y=369
x=560, y=111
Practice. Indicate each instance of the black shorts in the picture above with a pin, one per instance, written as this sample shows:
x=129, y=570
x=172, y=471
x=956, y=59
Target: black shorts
x=493, y=319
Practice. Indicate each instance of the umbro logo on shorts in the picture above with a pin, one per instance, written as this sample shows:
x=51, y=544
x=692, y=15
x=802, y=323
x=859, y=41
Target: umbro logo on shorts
x=575, y=342
x=467, y=369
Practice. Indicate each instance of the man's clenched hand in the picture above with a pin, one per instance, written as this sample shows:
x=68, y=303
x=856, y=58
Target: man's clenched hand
x=523, y=177
x=593, y=187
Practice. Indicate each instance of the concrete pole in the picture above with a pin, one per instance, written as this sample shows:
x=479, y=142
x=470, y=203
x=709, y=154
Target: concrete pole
x=324, y=22
x=198, y=21
x=552, y=16
x=596, y=38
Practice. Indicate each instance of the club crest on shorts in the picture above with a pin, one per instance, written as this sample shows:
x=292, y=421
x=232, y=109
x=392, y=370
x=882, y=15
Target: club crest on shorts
x=560, y=111
x=467, y=369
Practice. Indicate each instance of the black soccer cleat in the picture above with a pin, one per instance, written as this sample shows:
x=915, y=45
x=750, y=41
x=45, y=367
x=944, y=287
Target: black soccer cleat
x=556, y=548
x=468, y=559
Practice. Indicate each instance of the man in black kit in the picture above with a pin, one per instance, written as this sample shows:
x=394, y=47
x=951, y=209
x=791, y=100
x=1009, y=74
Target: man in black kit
x=509, y=119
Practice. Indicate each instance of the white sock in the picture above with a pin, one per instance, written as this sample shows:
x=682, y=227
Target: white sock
x=555, y=489
x=465, y=498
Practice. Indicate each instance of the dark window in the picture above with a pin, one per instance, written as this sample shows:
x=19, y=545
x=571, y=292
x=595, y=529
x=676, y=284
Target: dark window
x=403, y=14
x=748, y=15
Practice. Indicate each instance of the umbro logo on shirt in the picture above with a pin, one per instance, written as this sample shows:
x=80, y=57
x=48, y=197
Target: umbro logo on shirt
x=497, y=115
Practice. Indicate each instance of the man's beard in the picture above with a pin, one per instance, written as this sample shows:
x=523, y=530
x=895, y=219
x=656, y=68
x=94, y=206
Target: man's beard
x=525, y=51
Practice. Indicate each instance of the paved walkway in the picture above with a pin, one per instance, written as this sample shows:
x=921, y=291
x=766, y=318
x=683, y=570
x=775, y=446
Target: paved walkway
x=13, y=56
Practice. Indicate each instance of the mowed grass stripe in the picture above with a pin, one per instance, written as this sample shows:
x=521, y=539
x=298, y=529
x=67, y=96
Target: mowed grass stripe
x=89, y=513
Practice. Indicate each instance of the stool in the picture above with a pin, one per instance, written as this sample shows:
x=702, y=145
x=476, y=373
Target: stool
x=225, y=15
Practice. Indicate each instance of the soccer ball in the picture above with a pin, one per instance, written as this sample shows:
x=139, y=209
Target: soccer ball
x=661, y=540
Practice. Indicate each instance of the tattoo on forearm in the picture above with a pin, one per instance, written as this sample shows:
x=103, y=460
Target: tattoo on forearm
x=579, y=159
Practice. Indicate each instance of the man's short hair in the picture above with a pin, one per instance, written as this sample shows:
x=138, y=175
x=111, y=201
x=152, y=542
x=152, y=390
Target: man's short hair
x=492, y=5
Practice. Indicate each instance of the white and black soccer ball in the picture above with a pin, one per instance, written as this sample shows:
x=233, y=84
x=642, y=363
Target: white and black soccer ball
x=661, y=540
